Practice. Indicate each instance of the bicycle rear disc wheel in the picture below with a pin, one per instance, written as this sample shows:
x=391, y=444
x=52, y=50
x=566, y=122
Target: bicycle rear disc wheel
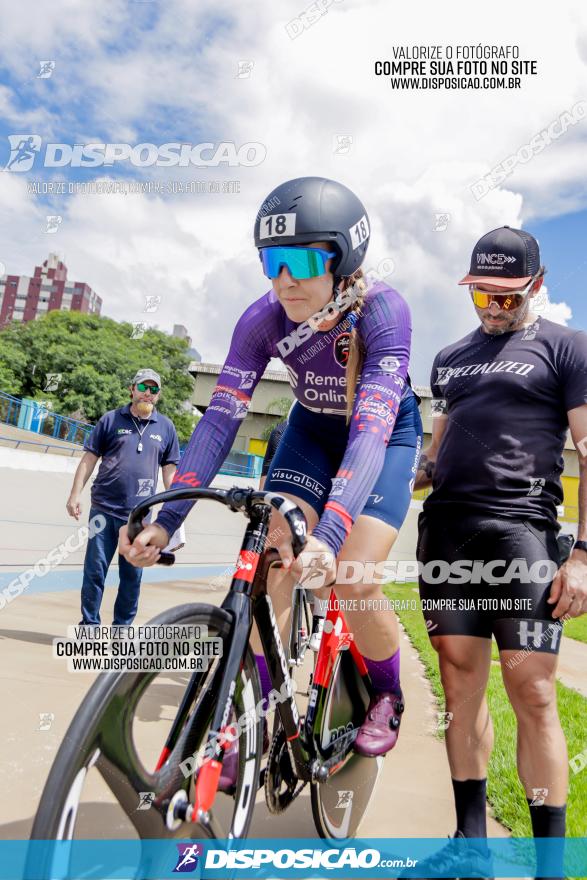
x=100, y=773
x=339, y=803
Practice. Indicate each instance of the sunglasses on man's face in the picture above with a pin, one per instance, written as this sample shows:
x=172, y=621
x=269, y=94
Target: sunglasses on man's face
x=506, y=302
x=142, y=386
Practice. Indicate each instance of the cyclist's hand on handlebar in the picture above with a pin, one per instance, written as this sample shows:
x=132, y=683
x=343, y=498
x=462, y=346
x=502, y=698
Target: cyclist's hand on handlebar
x=315, y=567
x=146, y=547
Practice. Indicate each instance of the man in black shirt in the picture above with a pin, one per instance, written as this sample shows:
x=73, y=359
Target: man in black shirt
x=504, y=397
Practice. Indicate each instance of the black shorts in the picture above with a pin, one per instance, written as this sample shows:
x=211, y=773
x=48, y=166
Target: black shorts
x=500, y=585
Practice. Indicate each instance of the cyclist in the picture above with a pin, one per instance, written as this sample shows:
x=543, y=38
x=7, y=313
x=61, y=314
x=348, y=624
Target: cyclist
x=507, y=392
x=338, y=458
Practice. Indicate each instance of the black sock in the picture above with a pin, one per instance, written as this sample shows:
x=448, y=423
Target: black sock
x=471, y=808
x=549, y=821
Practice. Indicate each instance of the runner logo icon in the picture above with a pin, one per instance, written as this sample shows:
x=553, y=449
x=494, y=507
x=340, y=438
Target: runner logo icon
x=187, y=860
x=23, y=151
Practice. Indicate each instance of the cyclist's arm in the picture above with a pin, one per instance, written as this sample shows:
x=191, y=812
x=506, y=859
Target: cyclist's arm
x=385, y=329
x=215, y=432
x=427, y=463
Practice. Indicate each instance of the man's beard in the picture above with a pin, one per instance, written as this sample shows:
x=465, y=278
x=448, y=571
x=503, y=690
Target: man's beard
x=144, y=409
x=514, y=320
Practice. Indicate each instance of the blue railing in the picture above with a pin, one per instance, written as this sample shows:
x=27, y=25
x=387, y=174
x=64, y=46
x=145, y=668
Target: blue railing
x=45, y=446
x=30, y=415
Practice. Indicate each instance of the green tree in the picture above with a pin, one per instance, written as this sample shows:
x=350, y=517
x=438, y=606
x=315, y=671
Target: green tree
x=95, y=360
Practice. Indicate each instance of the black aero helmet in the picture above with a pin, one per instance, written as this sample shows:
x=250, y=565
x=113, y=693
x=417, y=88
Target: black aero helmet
x=311, y=209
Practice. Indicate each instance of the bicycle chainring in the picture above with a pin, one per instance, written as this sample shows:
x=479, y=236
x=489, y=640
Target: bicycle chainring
x=280, y=775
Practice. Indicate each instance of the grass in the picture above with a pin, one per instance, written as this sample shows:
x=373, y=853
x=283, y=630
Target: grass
x=504, y=790
x=577, y=628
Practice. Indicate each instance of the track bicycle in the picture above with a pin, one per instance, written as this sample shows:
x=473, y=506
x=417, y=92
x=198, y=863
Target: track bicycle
x=135, y=732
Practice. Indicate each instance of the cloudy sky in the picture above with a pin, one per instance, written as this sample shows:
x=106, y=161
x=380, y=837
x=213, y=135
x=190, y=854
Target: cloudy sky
x=161, y=72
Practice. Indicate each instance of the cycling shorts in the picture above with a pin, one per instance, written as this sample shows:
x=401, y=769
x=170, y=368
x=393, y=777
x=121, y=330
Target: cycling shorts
x=500, y=586
x=312, y=448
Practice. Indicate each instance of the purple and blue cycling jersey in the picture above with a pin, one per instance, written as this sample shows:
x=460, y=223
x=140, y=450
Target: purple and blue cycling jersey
x=315, y=362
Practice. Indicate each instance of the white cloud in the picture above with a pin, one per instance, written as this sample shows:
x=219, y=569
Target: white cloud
x=163, y=72
x=559, y=312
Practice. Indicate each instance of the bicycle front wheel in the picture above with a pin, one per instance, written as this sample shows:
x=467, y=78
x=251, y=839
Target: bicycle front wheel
x=104, y=782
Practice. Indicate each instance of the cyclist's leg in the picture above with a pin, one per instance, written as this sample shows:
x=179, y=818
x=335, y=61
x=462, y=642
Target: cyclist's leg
x=374, y=628
x=279, y=582
x=374, y=534
x=301, y=470
x=372, y=622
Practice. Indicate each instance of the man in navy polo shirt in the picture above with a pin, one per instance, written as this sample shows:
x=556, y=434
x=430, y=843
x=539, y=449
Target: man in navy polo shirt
x=132, y=441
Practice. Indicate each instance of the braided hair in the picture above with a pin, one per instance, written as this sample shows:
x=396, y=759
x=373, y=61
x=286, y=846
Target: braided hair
x=354, y=363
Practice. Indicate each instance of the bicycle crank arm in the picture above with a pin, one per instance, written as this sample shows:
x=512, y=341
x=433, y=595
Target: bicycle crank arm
x=180, y=810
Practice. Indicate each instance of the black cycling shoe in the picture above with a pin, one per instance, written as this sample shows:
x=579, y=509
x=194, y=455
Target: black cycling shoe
x=451, y=861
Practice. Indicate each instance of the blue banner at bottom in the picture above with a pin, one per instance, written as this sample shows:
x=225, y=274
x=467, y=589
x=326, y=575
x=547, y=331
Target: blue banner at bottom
x=292, y=857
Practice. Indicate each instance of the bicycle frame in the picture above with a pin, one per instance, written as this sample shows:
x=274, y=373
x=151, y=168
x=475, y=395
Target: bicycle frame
x=247, y=600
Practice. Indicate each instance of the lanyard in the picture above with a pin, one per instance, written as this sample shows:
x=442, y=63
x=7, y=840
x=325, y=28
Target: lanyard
x=140, y=446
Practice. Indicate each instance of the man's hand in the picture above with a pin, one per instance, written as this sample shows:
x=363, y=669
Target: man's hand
x=314, y=568
x=569, y=587
x=146, y=548
x=73, y=506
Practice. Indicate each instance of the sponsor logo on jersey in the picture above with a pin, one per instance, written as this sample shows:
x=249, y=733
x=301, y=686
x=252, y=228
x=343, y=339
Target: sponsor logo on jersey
x=246, y=378
x=124, y=431
x=445, y=374
x=341, y=349
x=156, y=437
x=288, y=475
x=236, y=402
x=190, y=478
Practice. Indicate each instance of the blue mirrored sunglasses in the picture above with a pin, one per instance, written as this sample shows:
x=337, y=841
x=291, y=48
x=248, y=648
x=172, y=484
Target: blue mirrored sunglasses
x=300, y=262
